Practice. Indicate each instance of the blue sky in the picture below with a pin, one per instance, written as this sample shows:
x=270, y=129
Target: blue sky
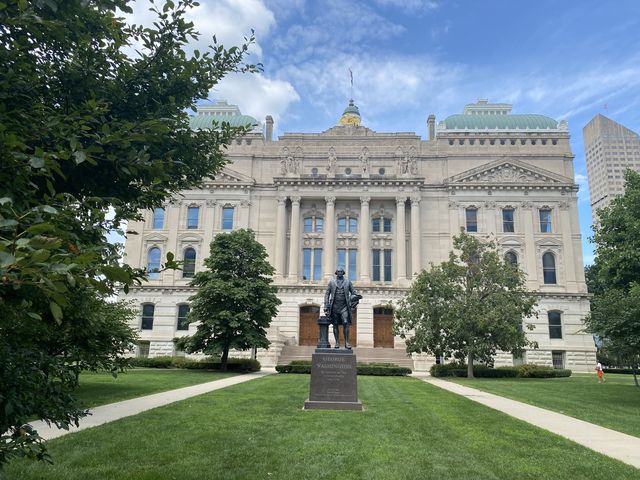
x=568, y=60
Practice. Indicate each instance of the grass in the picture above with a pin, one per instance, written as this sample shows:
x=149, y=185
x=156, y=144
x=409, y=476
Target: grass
x=614, y=404
x=258, y=430
x=101, y=388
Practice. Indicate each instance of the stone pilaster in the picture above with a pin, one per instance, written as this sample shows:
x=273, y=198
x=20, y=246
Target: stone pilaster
x=294, y=240
x=365, y=239
x=530, y=253
x=416, y=233
x=281, y=235
x=401, y=254
x=329, y=237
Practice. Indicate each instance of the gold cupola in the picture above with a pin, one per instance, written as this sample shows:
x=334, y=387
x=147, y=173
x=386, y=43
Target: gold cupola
x=350, y=116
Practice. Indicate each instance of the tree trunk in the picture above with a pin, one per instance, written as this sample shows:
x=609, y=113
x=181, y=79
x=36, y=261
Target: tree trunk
x=470, y=365
x=223, y=360
x=634, y=369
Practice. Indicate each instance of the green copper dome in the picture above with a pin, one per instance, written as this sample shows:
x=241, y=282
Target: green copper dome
x=198, y=122
x=500, y=122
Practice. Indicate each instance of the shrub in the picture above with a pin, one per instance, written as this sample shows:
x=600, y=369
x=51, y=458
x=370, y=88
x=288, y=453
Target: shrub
x=209, y=363
x=483, y=371
x=152, y=362
x=377, y=369
x=627, y=371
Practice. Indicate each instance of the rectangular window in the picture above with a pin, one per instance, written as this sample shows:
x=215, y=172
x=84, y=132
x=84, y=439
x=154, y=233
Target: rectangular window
x=375, y=224
x=158, y=218
x=227, y=218
x=312, y=264
x=147, y=316
x=347, y=260
x=192, y=217
x=317, y=264
x=306, y=264
x=558, y=359
x=507, y=220
x=183, y=311
x=545, y=220
x=375, y=257
x=319, y=225
x=472, y=219
x=307, y=224
x=143, y=349
x=351, y=265
x=555, y=324
x=342, y=224
x=387, y=265
x=353, y=225
x=387, y=225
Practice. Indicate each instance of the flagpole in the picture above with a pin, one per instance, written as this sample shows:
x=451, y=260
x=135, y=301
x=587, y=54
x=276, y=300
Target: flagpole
x=351, y=77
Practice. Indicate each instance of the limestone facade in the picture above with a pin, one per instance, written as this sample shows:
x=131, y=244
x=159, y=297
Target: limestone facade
x=384, y=206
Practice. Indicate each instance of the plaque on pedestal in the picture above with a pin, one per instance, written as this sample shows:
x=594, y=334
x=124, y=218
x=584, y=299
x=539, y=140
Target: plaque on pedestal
x=334, y=381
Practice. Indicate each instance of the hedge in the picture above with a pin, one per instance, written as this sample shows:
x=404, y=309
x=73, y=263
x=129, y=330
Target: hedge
x=627, y=371
x=377, y=369
x=482, y=371
x=208, y=363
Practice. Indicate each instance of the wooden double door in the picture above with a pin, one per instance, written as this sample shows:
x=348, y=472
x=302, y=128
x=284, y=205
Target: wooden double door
x=309, y=327
x=383, y=328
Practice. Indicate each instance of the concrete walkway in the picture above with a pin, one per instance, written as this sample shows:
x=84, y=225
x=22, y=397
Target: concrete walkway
x=114, y=411
x=620, y=446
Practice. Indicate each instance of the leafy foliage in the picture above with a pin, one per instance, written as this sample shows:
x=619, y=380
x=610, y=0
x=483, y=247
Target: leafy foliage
x=614, y=278
x=467, y=307
x=85, y=128
x=235, y=302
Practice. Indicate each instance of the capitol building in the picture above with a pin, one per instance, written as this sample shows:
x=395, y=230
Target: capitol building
x=384, y=206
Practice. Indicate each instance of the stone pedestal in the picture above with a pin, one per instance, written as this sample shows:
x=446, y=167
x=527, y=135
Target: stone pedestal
x=334, y=381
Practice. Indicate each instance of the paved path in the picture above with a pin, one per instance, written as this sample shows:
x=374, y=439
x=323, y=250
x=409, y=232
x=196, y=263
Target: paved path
x=114, y=411
x=620, y=446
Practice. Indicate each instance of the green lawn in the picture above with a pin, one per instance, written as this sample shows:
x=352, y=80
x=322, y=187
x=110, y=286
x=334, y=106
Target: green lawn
x=258, y=430
x=614, y=404
x=101, y=388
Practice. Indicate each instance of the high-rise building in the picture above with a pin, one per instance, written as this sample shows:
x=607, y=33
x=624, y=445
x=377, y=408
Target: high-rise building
x=384, y=206
x=609, y=148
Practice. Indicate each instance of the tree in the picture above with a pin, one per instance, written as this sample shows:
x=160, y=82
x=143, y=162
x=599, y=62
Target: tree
x=614, y=278
x=467, y=307
x=85, y=128
x=235, y=301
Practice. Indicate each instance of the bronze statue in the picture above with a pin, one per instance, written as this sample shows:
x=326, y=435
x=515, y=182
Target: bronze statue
x=339, y=299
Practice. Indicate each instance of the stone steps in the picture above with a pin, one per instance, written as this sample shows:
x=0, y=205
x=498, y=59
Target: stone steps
x=363, y=354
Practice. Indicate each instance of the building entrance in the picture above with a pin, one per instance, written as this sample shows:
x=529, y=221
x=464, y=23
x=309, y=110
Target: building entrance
x=309, y=327
x=382, y=327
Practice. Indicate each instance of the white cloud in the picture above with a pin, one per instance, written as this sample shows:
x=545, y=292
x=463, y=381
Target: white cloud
x=410, y=6
x=229, y=20
x=257, y=95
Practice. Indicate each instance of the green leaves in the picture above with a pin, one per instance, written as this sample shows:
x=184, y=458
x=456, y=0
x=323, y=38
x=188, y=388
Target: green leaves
x=473, y=303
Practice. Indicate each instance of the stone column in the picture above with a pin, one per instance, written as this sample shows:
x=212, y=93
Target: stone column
x=530, y=251
x=329, y=237
x=365, y=239
x=416, y=234
x=294, y=240
x=401, y=254
x=567, y=240
x=281, y=235
x=243, y=214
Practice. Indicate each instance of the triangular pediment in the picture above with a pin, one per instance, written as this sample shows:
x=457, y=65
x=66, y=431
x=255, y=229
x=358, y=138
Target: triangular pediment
x=508, y=172
x=228, y=176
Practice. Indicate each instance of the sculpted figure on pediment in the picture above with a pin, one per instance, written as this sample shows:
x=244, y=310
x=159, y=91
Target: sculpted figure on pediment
x=332, y=162
x=364, y=161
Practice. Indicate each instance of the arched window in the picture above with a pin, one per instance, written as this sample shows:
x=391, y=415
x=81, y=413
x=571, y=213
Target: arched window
x=347, y=225
x=508, y=225
x=511, y=258
x=183, y=311
x=189, y=266
x=153, y=263
x=148, y=310
x=549, y=268
x=158, y=218
x=555, y=324
x=312, y=224
x=381, y=225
